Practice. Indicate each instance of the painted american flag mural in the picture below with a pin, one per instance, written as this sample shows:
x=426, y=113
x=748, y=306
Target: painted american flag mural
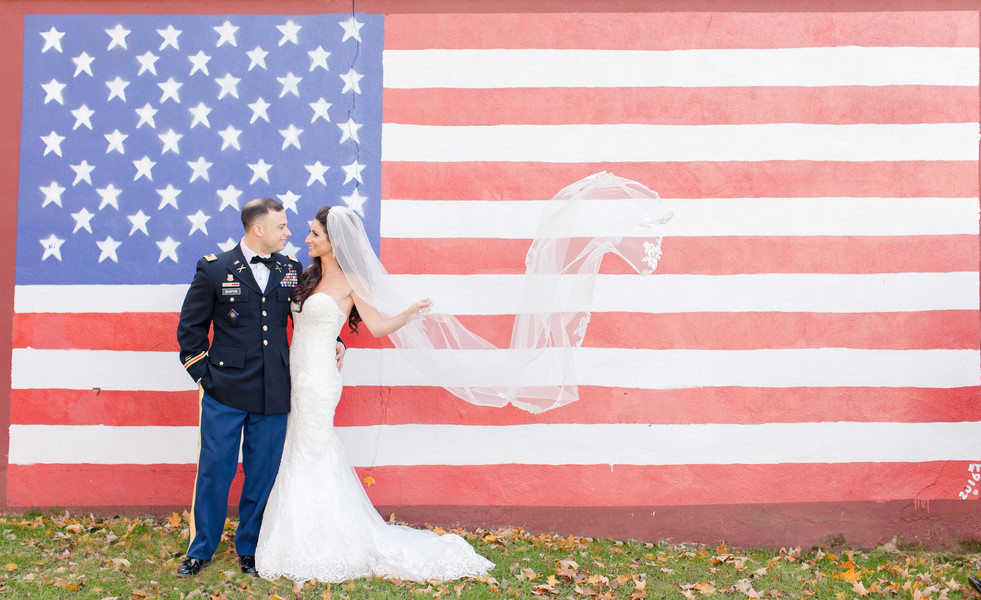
x=811, y=334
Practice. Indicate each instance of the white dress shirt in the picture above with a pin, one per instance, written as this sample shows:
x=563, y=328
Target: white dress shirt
x=259, y=270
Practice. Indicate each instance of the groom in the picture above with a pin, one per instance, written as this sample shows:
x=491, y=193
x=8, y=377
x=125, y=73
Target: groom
x=243, y=378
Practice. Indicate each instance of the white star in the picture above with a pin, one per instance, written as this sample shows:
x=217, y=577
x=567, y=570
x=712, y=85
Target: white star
x=226, y=32
x=200, y=168
x=229, y=137
x=352, y=29
x=318, y=58
x=115, y=140
x=82, y=115
x=353, y=171
x=169, y=89
x=148, y=62
x=168, y=249
x=52, y=247
x=316, y=173
x=52, y=143
x=83, y=62
x=139, y=222
x=168, y=196
x=52, y=91
x=198, y=222
x=169, y=36
x=228, y=85
x=257, y=56
x=118, y=35
x=200, y=113
x=259, y=110
x=291, y=137
x=117, y=89
x=229, y=197
x=355, y=201
x=289, y=84
x=260, y=170
x=349, y=130
x=143, y=167
x=83, y=172
x=52, y=39
x=289, y=200
x=290, y=249
x=199, y=62
x=170, y=140
x=351, y=79
x=110, y=195
x=82, y=219
x=108, y=247
x=289, y=31
x=227, y=244
x=320, y=110
x=52, y=193
x=146, y=116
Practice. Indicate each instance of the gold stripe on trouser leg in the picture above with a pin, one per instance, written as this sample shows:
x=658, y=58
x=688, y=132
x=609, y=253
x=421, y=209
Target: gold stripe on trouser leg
x=194, y=495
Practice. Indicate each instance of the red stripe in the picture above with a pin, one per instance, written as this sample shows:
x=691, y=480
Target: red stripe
x=372, y=405
x=97, y=331
x=952, y=329
x=682, y=106
x=775, y=179
x=676, y=31
x=718, y=331
x=527, y=485
x=708, y=255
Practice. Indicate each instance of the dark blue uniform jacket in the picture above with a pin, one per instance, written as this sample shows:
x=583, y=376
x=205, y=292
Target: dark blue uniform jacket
x=247, y=365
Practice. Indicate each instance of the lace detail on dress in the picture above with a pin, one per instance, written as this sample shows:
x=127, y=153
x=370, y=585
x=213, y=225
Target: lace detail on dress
x=318, y=523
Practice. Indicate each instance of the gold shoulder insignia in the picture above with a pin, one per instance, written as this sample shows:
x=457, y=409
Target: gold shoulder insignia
x=292, y=258
x=210, y=257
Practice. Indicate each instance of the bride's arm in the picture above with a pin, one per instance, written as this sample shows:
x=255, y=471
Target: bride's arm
x=380, y=326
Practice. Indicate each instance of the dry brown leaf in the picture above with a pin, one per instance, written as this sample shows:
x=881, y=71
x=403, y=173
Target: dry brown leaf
x=850, y=576
x=859, y=588
x=704, y=588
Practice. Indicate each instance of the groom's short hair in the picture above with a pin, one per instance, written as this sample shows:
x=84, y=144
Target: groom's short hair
x=256, y=209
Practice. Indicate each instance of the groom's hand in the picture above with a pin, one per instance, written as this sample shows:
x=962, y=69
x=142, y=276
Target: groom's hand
x=340, y=355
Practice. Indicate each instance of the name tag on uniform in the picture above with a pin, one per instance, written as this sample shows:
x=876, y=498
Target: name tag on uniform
x=231, y=292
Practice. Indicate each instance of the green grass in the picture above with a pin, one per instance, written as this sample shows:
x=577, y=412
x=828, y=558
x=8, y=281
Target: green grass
x=52, y=556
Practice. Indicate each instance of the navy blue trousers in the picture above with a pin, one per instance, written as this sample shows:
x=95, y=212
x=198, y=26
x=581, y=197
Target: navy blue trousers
x=221, y=430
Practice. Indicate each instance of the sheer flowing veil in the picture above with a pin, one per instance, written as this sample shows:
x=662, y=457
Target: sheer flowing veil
x=588, y=219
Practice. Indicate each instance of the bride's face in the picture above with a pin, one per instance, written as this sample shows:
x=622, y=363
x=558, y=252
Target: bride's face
x=317, y=240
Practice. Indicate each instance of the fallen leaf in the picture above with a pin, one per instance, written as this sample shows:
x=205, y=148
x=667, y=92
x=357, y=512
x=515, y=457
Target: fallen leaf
x=704, y=588
x=10, y=566
x=859, y=588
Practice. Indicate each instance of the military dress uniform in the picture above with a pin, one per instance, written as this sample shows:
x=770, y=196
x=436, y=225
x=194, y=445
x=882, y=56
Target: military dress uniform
x=244, y=384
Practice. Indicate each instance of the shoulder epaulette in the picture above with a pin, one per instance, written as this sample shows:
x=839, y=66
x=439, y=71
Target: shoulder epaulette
x=292, y=258
x=210, y=257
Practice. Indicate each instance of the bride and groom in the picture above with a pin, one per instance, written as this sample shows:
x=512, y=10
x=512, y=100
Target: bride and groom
x=303, y=512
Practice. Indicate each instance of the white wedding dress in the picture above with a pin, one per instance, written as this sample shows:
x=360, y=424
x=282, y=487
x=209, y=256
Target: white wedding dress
x=318, y=523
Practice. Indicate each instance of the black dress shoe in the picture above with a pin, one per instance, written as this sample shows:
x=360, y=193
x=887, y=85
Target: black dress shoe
x=247, y=562
x=192, y=566
x=975, y=583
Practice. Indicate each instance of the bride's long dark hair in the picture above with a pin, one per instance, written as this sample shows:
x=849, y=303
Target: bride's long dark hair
x=310, y=278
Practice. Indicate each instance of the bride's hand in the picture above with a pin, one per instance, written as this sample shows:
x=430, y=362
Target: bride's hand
x=419, y=309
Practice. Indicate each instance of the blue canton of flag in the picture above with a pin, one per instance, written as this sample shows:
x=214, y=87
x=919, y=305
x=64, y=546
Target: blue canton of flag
x=144, y=135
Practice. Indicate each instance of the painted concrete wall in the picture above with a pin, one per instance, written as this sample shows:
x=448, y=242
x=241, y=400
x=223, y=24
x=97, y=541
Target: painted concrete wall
x=803, y=364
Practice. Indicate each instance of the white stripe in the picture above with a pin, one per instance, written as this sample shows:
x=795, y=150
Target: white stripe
x=505, y=219
x=606, y=367
x=498, y=294
x=98, y=298
x=679, y=143
x=552, y=444
x=807, y=67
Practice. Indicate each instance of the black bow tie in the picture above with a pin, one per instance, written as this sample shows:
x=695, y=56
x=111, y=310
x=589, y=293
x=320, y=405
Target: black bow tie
x=269, y=261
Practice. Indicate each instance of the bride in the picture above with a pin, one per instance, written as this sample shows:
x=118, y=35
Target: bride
x=318, y=522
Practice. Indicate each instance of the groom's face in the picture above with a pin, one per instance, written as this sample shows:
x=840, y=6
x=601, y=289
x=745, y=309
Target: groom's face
x=272, y=231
